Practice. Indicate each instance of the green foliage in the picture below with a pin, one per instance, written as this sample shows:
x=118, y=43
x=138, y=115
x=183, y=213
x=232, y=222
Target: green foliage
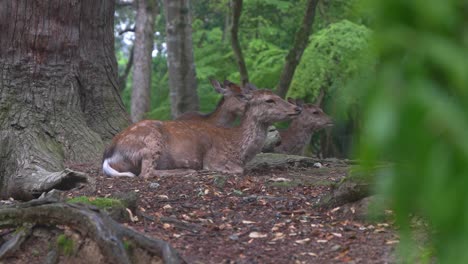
x=416, y=109
x=265, y=62
x=266, y=33
x=99, y=202
x=334, y=56
x=65, y=244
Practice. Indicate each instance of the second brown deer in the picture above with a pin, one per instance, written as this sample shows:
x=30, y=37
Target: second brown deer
x=231, y=106
x=296, y=137
x=152, y=147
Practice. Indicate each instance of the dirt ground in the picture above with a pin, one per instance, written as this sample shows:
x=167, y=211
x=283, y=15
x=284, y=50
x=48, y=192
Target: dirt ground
x=265, y=216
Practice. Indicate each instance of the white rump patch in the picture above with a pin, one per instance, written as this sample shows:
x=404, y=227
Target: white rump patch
x=109, y=171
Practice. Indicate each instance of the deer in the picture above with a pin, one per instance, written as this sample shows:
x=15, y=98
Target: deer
x=231, y=106
x=154, y=148
x=295, y=138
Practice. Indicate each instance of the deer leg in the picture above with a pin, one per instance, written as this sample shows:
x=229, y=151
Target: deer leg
x=229, y=167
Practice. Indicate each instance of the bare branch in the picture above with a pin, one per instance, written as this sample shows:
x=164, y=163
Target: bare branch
x=123, y=3
x=125, y=30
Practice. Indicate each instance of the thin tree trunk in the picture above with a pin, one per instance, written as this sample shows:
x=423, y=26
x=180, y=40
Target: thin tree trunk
x=295, y=53
x=143, y=48
x=236, y=13
x=59, y=97
x=180, y=60
x=227, y=22
x=128, y=67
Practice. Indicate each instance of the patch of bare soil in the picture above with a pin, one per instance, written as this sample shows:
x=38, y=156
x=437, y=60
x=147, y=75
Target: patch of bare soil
x=265, y=216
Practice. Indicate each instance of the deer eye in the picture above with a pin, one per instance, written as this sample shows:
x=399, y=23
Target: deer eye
x=270, y=101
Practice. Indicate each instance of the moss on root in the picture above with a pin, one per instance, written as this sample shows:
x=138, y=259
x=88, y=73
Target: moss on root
x=65, y=245
x=99, y=202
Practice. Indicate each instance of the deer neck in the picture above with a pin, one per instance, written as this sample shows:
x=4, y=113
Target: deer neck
x=252, y=135
x=295, y=138
x=222, y=117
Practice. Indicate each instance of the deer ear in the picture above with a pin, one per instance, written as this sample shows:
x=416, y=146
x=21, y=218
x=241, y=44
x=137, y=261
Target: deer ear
x=291, y=101
x=227, y=83
x=250, y=87
x=300, y=102
x=217, y=86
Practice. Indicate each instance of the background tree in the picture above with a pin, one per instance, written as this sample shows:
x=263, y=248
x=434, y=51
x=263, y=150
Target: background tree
x=301, y=40
x=142, y=57
x=181, y=65
x=59, y=95
x=236, y=7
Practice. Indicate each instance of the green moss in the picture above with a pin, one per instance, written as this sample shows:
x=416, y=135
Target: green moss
x=285, y=184
x=99, y=202
x=65, y=244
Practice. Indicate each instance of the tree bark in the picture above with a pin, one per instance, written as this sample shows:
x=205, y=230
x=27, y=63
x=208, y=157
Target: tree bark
x=236, y=6
x=295, y=53
x=142, y=58
x=180, y=60
x=59, y=97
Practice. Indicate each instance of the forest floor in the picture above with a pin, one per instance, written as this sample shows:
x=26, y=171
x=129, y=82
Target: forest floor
x=265, y=216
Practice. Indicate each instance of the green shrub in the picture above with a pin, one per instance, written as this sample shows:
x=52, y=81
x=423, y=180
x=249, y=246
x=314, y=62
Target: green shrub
x=416, y=109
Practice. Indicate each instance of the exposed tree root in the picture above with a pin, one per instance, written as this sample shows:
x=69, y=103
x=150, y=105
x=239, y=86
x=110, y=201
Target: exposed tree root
x=348, y=191
x=14, y=243
x=108, y=235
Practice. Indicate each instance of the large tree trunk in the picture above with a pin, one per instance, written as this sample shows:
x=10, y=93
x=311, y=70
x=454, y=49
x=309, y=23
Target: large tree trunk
x=236, y=13
x=182, y=81
x=143, y=48
x=295, y=53
x=59, y=98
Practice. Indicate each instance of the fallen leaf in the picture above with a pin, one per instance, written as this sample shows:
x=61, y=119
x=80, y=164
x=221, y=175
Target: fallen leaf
x=280, y=179
x=257, y=235
x=337, y=234
x=302, y=241
x=132, y=218
x=322, y=241
x=335, y=209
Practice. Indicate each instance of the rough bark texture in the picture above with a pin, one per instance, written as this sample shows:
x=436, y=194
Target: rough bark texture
x=106, y=234
x=295, y=53
x=236, y=6
x=58, y=91
x=181, y=65
x=143, y=48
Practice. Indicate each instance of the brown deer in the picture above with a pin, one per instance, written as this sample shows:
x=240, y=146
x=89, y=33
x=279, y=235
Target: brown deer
x=153, y=147
x=231, y=106
x=296, y=137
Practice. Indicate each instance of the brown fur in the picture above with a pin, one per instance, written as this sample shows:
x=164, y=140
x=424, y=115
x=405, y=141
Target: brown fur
x=149, y=146
x=300, y=131
x=229, y=108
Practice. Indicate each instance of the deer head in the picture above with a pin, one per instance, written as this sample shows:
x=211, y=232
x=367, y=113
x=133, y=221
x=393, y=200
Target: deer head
x=234, y=101
x=312, y=116
x=267, y=107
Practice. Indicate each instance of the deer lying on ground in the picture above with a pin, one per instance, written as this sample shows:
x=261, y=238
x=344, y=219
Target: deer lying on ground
x=231, y=106
x=153, y=147
x=296, y=137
